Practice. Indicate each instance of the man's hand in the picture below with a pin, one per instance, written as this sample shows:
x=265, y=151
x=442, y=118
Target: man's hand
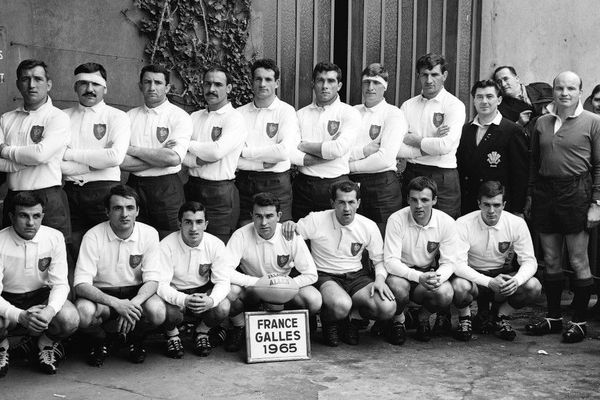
x=430, y=280
x=267, y=165
x=169, y=144
x=496, y=283
x=442, y=130
x=199, y=302
x=2, y=146
x=380, y=287
x=510, y=285
x=288, y=228
x=593, y=216
x=124, y=326
x=200, y=162
x=524, y=117
x=32, y=321
x=527, y=208
x=371, y=148
x=129, y=310
x=412, y=139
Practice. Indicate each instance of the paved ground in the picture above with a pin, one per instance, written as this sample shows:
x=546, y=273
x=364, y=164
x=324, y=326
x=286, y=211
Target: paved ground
x=484, y=368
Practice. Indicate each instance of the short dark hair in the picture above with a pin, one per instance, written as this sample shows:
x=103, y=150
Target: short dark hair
x=265, y=63
x=217, y=68
x=30, y=64
x=193, y=206
x=265, y=199
x=595, y=90
x=326, y=67
x=25, y=199
x=430, y=60
x=421, y=183
x=157, y=69
x=509, y=67
x=123, y=191
x=90, y=68
x=344, y=186
x=376, y=69
x=490, y=189
x=485, y=83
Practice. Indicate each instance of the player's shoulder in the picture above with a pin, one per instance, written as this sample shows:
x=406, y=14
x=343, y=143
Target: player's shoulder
x=442, y=217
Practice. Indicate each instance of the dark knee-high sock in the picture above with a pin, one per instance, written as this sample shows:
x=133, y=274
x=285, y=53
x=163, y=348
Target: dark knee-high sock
x=553, y=285
x=582, y=289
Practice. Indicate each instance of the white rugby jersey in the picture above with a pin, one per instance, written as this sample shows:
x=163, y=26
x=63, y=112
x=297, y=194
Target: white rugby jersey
x=383, y=124
x=36, y=142
x=106, y=261
x=191, y=267
x=28, y=265
x=153, y=127
x=258, y=257
x=483, y=247
x=99, y=139
x=273, y=132
x=335, y=125
x=410, y=249
x=217, y=141
x=337, y=249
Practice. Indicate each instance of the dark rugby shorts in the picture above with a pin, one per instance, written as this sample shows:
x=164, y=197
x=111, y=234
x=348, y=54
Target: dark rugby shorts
x=351, y=282
x=250, y=183
x=86, y=203
x=222, y=202
x=380, y=194
x=448, y=183
x=311, y=193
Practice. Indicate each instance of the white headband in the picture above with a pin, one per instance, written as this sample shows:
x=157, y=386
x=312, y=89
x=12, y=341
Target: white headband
x=375, y=78
x=87, y=77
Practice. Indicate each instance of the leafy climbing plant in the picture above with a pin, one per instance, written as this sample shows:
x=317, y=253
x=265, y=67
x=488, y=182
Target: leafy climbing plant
x=189, y=35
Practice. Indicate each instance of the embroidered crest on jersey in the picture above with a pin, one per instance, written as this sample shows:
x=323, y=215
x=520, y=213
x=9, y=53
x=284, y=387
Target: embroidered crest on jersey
x=162, y=133
x=99, y=131
x=355, y=248
x=333, y=127
x=282, y=260
x=36, y=133
x=204, y=269
x=272, y=129
x=438, y=119
x=432, y=246
x=503, y=246
x=135, y=260
x=44, y=263
x=374, y=131
x=216, y=133
x=493, y=159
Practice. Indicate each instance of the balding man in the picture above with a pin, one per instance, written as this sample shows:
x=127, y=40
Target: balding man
x=565, y=200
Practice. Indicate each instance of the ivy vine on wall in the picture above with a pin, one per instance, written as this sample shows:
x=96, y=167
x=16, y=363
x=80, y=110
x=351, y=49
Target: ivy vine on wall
x=189, y=35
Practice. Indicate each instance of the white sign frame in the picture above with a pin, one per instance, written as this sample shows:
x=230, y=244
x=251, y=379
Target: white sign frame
x=254, y=354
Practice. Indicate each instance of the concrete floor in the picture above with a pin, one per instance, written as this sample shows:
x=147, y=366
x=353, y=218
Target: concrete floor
x=484, y=368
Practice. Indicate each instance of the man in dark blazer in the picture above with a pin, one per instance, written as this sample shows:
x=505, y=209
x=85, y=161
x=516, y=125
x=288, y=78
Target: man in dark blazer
x=492, y=148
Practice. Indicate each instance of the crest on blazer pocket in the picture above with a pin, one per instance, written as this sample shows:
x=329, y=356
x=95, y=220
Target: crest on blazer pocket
x=503, y=246
x=438, y=119
x=493, y=159
x=162, y=133
x=282, y=260
x=374, y=131
x=355, y=248
x=216, y=133
x=272, y=129
x=36, y=133
x=44, y=263
x=432, y=246
x=204, y=269
x=99, y=131
x=135, y=260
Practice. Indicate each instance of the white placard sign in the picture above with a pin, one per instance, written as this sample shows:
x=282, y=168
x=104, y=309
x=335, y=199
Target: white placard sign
x=277, y=336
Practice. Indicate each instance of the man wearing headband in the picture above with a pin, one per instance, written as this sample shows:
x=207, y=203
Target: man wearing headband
x=160, y=136
x=99, y=141
x=264, y=165
x=373, y=157
x=328, y=128
x=33, y=139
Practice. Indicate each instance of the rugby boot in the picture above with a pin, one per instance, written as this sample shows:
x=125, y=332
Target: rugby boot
x=202, y=345
x=545, y=326
x=137, y=350
x=174, y=347
x=233, y=341
x=395, y=332
x=47, y=360
x=575, y=333
x=443, y=324
x=97, y=354
x=330, y=333
x=423, y=332
x=464, y=332
x=482, y=323
x=349, y=331
x=217, y=335
x=504, y=330
x=3, y=362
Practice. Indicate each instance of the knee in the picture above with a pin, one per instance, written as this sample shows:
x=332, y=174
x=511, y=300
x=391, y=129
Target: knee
x=463, y=292
x=173, y=316
x=4, y=325
x=86, y=311
x=339, y=306
x=441, y=298
x=552, y=260
x=531, y=288
x=234, y=293
x=221, y=311
x=385, y=309
x=155, y=310
x=67, y=320
x=311, y=299
x=400, y=287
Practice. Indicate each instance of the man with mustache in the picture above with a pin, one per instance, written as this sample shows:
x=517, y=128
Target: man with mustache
x=99, y=140
x=116, y=278
x=219, y=134
x=33, y=139
x=160, y=135
x=328, y=128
